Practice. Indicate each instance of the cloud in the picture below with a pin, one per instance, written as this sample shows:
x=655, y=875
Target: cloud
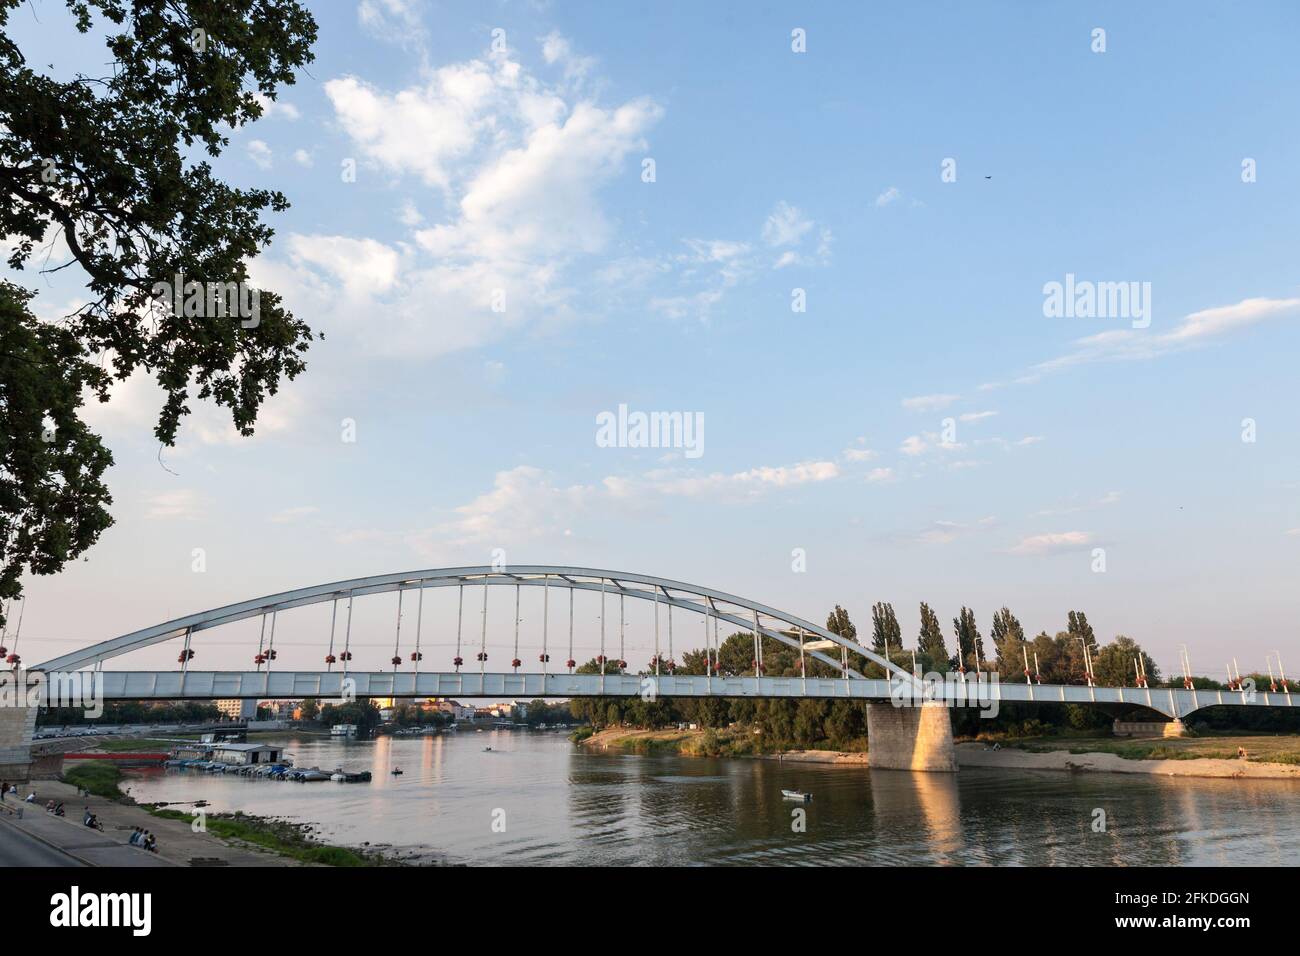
x=303, y=158
x=876, y=475
x=259, y=153
x=273, y=108
x=929, y=403
x=890, y=195
x=519, y=164
x=525, y=503
x=1195, y=329
x=786, y=225
x=1055, y=543
x=975, y=416
x=182, y=505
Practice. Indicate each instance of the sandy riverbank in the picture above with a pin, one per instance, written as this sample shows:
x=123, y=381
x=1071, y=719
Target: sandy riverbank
x=977, y=755
x=688, y=743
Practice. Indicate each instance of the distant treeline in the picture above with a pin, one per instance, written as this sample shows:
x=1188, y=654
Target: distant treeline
x=842, y=724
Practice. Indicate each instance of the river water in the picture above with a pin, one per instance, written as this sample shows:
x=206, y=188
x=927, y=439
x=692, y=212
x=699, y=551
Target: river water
x=536, y=798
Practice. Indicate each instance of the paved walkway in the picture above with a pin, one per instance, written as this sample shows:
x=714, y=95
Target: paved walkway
x=178, y=845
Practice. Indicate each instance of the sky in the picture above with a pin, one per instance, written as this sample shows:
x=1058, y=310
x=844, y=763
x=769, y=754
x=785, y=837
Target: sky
x=561, y=208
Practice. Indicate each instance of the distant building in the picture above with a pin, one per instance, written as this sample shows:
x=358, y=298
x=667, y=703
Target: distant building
x=455, y=709
x=237, y=708
x=241, y=754
x=281, y=709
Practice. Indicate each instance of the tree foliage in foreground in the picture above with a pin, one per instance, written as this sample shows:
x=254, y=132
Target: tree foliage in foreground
x=111, y=166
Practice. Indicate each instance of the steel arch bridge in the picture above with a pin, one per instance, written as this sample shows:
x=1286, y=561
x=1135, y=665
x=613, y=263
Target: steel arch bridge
x=714, y=606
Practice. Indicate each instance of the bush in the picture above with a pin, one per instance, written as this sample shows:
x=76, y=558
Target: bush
x=99, y=777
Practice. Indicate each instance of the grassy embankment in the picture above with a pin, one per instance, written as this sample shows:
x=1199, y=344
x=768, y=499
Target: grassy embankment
x=1284, y=749
x=99, y=777
x=278, y=836
x=742, y=742
x=737, y=741
x=102, y=777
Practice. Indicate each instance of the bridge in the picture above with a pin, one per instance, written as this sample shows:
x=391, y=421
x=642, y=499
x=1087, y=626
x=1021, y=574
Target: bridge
x=406, y=674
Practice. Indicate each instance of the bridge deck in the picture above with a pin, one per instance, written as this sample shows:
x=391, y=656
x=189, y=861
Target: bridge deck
x=173, y=685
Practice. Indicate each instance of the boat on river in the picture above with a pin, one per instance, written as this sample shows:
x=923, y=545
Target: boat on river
x=796, y=795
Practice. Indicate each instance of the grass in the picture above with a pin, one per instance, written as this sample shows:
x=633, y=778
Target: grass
x=1262, y=749
x=128, y=744
x=278, y=836
x=99, y=777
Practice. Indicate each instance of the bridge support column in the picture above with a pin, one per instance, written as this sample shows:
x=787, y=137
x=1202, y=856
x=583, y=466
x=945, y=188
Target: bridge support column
x=17, y=726
x=910, y=738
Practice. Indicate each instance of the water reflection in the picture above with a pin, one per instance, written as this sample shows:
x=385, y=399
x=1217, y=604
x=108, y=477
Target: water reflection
x=561, y=804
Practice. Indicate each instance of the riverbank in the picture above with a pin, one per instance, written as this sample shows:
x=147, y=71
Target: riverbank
x=1183, y=757
x=236, y=839
x=981, y=755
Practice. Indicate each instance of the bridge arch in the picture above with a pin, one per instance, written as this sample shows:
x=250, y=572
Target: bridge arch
x=738, y=611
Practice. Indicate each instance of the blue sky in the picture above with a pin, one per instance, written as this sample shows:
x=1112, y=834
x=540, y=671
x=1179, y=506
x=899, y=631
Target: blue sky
x=481, y=169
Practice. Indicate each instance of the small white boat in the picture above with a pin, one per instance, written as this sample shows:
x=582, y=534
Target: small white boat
x=487, y=750
x=796, y=795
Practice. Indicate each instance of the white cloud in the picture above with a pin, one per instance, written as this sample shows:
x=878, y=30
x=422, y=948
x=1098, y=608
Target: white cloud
x=890, y=195
x=1194, y=329
x=272, y=108
x=786, y=226
x=1054, y=543
x=303, y=158
x=975, y=416
x=913, y=445
x=880, y=474
x=520, y=168
x=858, y=454
x=259, y=153
x=929, y=403
x=182, y=505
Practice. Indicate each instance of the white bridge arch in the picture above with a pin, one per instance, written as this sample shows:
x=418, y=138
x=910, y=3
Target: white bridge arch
x=719, y=605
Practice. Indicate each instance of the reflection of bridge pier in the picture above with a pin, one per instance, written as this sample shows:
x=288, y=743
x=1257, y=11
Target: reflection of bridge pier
x=895, y=798
x=910, y=738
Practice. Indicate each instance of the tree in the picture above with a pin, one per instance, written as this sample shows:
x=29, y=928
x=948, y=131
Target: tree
x=107, y=165
x=885, y=632
x=53, y=501
x=310, y=708
x=968, y=637
x=929, y=643
x=838, y=623
x=1008, y=643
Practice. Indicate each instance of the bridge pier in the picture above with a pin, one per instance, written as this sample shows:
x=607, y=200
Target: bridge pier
x=17, y=727
x=910, y=738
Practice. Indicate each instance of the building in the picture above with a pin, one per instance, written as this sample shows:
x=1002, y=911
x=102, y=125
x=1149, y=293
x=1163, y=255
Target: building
x=237, y=709
x=242, y=754
x=281, y=709
x=453, y=708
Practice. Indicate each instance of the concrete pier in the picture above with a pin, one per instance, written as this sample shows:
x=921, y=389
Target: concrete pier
x=17, y=725
x=910, y=738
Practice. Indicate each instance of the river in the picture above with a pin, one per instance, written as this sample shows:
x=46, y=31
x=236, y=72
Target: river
x=536, y=798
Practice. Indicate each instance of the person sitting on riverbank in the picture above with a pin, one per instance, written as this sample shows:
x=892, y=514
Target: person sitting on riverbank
x=31, y=797
x=49, y=806
x=1241, y=753
x=149, y=842
x=58, y=810
x=136, y=835
x=90, y=820
x=4, y=788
